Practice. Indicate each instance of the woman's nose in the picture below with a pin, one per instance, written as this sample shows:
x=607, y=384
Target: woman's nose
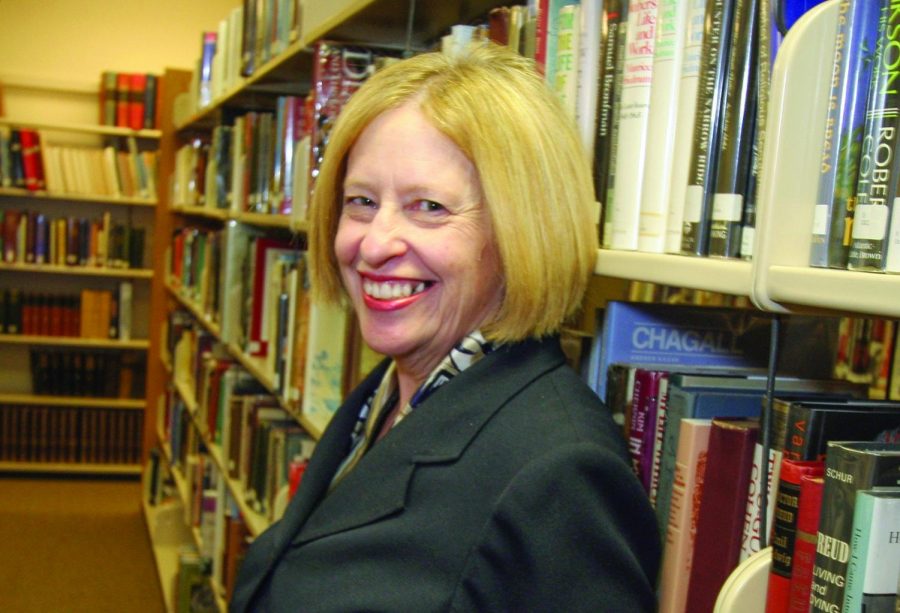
x=384, y=238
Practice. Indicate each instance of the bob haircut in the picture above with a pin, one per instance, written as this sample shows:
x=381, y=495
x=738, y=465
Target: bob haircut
x=535, y=177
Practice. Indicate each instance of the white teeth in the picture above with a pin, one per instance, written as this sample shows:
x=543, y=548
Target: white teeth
x=387, y=291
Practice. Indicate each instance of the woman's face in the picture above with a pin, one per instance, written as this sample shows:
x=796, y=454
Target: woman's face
x=414, y=241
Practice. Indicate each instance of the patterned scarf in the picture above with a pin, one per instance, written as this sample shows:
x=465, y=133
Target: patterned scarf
x=463, y=355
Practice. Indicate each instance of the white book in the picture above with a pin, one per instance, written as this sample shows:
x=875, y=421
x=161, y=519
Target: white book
x=874, y=566
x=238, y=161
x=565, y=82
x=634, y=107
x=667, y=58
x=235, y=36
x=892, y=244
x=588, y=70
x=125, y=310
x=684, y=124
x=322, y=394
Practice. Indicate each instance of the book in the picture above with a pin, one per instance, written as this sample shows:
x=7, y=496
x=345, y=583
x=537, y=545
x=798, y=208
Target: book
x=565, y=73
x=785, y=528
x=136, y=107
x=809, y=507
x=874, y=566
x=611, y=25
x=812, y=424
x=850, y=76
x=107, y=97
x=876, y=178
x=551, y=36
x=738, y=128
x=679, y=336
x=707, y=126
x=632, y=120
x=668, y=52
x=324, y=373
x=680, y=528
x=850, y=466
x=641, y=432
x=721, y=515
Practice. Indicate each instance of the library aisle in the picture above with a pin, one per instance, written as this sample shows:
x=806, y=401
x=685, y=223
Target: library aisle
x=75, y=544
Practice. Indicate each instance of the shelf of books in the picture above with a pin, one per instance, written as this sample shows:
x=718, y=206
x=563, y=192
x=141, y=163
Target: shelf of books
x=77, y=205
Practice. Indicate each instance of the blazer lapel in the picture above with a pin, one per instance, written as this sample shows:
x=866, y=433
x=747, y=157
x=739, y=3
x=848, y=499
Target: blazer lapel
x=437, y=431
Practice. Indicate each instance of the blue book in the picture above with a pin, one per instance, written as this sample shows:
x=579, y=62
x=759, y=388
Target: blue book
x=682, y=337
x=851, y=74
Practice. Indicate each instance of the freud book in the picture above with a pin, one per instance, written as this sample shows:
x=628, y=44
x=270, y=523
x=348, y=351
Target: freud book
x=849, y=467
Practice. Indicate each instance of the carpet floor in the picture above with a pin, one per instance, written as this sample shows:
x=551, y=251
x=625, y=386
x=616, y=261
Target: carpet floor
x=75, y=544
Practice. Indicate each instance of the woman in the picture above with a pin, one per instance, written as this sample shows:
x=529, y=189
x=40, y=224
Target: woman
x=472, y=470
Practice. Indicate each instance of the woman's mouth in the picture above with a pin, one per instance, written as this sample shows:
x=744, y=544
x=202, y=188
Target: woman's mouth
x=392, y=295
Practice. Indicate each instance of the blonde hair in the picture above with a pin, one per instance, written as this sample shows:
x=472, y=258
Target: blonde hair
x=534, y=173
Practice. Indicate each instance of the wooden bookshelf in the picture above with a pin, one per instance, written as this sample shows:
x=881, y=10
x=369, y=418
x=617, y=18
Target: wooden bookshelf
x=82, y=128
x=72, y=401
x=87, y=271
x=66, y=468
x=10, y=192
x=73, y=341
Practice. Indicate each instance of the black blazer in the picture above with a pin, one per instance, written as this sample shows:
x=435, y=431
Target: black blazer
x=508, y=489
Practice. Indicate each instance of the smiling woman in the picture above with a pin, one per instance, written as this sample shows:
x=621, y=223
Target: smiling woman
x=472, y=470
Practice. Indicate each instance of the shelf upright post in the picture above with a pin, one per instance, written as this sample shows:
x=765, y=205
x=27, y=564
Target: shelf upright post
x=774, y=338
x=410, y=20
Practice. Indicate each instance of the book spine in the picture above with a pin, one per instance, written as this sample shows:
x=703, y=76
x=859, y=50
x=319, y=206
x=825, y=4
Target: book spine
x=661, y=125
x=848, y=468
x=608, y=198
x=565, y=79
x=633, y=117
x=609, y=48
x=851, y=73
x=878, y=165
x=707, y=120
x=738, y=129
x=874, y=565
x=680, y=525
x=785, y=530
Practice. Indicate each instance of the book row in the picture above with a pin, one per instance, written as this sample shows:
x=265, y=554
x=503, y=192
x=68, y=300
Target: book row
x=855, y=225
x=250, y=35
x=70, y=435
x=89, y=374
x=210, y=510
x=29, y=161
x=665, y=367
x=32, y=237
x=89, y=314
x=256, y=165
x=128, y=100
x=267, y=161
x=257, y=440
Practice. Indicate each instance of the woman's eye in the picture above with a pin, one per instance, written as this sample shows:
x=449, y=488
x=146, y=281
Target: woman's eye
x=428, y=206
x=360, y=201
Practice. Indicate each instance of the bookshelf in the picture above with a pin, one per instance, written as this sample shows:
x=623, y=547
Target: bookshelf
x=53, y=396
x=778, y=280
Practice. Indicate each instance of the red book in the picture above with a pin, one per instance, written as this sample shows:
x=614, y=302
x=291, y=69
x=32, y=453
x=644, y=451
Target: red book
x=28, y=317
x=720, y=522
x=136, y=93
x=123, y=98
x=45, y=304
x=785, y=529
x=32, y=164
x=540, y=34
x=809, y=508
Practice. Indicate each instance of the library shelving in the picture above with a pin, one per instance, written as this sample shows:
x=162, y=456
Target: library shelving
x=777, y=280
x=75, y=285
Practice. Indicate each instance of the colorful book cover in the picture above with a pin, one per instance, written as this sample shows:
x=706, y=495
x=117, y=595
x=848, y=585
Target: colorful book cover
x=876, y=183
x=854, y=54
x=785, y=530
x=707, y=126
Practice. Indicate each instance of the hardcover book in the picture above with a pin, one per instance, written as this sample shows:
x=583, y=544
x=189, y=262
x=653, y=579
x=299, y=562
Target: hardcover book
x=849, y=467
x=721, y=515
x=876, y=183
x=874, y=566
x=854, y=46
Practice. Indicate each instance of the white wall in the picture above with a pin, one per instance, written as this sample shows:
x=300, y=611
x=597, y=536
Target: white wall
x=53, y=51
